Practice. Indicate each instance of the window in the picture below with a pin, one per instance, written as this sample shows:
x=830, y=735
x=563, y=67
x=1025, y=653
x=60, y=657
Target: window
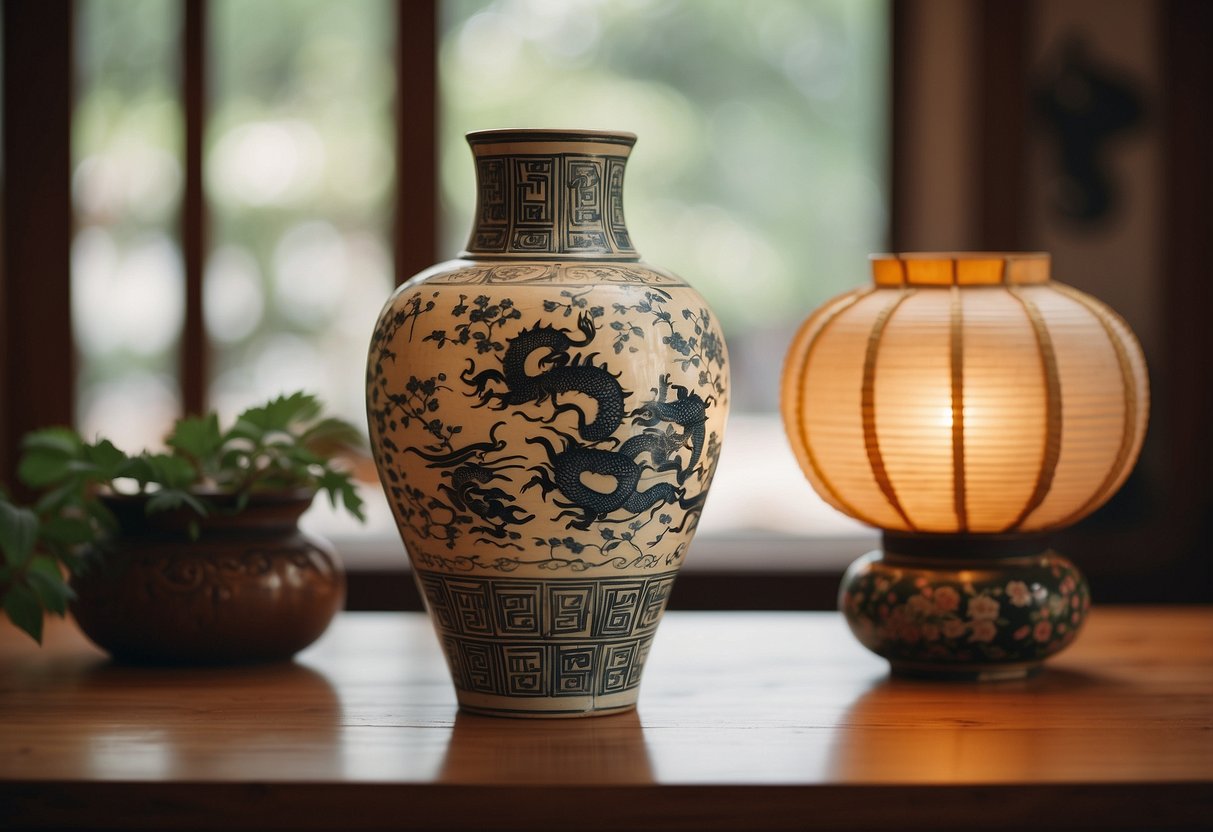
x=760, y=175
x=299, y=173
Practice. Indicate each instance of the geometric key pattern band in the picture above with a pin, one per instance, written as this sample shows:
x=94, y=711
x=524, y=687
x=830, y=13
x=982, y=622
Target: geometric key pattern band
x=528, y=637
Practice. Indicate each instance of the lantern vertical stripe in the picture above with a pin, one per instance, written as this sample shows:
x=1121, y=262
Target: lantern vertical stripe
x=1053, y=409
x=1129, y=431
x=798, y=399
x=958, y=422
x=868, y=407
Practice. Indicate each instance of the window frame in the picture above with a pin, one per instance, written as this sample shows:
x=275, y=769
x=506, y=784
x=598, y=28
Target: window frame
x=37, y=359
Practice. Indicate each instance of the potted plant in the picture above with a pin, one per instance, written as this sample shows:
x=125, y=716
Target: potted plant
x=190, y=555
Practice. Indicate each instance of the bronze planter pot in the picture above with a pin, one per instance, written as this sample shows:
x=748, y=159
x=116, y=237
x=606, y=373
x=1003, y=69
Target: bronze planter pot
x=250, y=588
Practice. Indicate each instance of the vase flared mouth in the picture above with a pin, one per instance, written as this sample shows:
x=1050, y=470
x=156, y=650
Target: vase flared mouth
x=550, y=135
x=960, y=268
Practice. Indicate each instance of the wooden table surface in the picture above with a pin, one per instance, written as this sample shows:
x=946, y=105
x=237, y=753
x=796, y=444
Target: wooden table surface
x=746, y=721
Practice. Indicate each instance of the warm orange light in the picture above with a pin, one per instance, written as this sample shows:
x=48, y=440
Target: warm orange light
x=965, y=393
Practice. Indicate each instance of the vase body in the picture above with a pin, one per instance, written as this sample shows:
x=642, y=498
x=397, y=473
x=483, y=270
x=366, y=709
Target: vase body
x=546, y=414
x=248, y=587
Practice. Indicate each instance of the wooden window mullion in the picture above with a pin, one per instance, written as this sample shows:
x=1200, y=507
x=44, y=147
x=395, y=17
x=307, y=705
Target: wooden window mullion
x=195, y=355
x=416, y=220
x=37, y=361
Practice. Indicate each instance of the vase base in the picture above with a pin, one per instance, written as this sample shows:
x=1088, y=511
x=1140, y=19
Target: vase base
x=963, y=673
x=518, y=713
x=547, y=707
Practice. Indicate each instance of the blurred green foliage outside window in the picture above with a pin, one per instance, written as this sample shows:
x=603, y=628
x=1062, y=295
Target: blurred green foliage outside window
x=759, y=175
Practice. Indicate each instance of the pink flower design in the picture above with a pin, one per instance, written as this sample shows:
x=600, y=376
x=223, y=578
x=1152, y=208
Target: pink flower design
x=919, y=607
x=983, y=630
x=983, y=607
x=946, y=599
x=1021, y=633
x=953, y=628
x=1019, y=593
x=1043, y=630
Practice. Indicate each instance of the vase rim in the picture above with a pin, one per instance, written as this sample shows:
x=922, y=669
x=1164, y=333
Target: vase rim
x=960, y=268
x=547, y=134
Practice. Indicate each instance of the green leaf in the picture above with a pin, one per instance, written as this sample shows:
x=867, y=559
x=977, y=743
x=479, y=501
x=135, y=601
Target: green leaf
x=22, y=608
x=139, y=469
x=18, y=532
x=43, y=467
x=67, y=530
x=64, y=441
x=197, y=437
x=53, y=501
x=100, y=515
x=193, y=502
x=331, y=433
x=339, y=486
x=281, y=413
x=106, y=459
x=46, y=579
x=301, y=456
x=168, y=499
x=168, y=470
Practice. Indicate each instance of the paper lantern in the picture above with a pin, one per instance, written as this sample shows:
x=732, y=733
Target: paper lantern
x=967, y=405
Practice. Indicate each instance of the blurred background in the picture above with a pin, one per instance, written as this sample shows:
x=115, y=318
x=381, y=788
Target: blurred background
x=780, y=142
x=760, y=174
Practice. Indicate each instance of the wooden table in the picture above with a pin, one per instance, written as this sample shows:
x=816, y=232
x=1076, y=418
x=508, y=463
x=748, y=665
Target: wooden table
x=746, y=721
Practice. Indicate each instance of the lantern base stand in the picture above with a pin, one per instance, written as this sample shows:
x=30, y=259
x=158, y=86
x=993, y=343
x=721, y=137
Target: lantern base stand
x=966, y=607
x=973, y=673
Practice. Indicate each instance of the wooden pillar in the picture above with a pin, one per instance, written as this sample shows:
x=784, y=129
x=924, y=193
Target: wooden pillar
x=1185, y=389
x=195, y=356
x=416, y=219
x=37, y=378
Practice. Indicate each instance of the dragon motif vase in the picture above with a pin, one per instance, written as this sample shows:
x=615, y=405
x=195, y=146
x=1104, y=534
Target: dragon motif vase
x=546, y=413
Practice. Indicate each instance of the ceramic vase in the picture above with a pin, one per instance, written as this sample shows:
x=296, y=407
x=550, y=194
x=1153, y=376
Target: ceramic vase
x=546, y=413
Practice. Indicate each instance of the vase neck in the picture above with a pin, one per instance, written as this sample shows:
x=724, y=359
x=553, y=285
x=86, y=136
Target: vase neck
x=546, y=194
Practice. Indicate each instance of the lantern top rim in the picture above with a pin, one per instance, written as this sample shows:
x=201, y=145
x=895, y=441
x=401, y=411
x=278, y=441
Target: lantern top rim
x=960, y=268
